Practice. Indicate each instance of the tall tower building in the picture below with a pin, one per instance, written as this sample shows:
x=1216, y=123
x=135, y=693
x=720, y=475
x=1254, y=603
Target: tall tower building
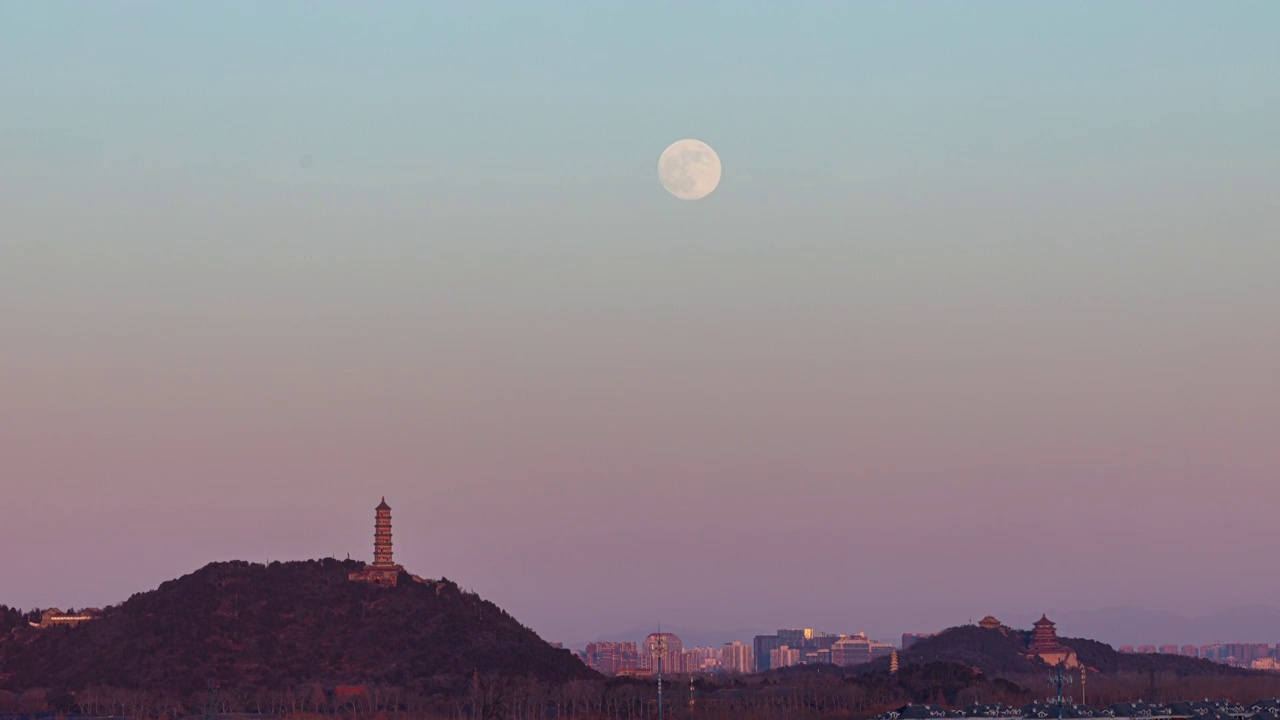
x=736, y=657
x=784, y=656
x=1045, y=645
x=762, y=651
x=612, y=658
x=384, y=572
x=382, y=536
x=1045, y=636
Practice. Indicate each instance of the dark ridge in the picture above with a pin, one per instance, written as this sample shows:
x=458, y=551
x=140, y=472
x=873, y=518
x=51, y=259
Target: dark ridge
x=1103, y=658
x=1004, y=652
x=243, y=625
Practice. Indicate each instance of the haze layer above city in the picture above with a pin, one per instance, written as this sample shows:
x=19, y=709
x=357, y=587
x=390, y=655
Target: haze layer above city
x=981, y=317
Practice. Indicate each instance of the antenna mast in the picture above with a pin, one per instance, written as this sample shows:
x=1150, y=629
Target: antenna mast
x=1058, y=680
x=662, y=650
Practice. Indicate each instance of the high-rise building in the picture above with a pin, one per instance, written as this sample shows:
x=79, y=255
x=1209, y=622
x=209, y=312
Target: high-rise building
x=1168, y=649
x=1191, y=651
x=795, y=637
x=762, y=649
x=817, y=657
x=664, y=647
x=611, y=658
x=784, y=656
x=736, y=657
x=851, y=650
x=909, y=639
x=699, y=660
x=858, y=649
x=821, y=641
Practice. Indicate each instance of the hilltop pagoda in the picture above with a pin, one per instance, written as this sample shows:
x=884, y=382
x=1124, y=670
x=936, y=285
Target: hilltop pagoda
x=990, y=623
x=1045, y=645
x=1045, y=637
x=384, y=572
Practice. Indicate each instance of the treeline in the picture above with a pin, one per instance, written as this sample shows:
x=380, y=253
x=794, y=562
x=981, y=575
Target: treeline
x=805, y=692
x=13, y=618
x=1166, y=686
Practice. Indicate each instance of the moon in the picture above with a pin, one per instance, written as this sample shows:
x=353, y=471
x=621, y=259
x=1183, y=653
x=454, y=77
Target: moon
x=689, y=169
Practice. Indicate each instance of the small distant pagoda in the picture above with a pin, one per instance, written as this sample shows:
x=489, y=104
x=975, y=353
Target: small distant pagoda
x=383, y=572
x=990, y=623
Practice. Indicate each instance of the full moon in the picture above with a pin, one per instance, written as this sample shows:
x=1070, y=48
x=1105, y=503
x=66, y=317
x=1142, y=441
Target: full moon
x=689, y=169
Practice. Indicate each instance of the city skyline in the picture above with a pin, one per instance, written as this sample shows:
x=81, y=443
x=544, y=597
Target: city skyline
x=801, y=643
x=789, y=647
x=980, y=317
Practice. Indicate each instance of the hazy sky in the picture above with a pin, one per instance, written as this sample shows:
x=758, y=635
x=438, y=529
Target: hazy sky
x=982, y=317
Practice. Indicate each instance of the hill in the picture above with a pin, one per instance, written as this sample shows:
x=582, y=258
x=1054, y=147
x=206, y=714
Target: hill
x=283, y=625
x=1005, y=653
x=1132, y=625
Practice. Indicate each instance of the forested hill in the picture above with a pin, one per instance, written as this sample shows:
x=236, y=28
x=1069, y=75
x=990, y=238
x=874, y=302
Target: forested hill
x=10, y=618
x=1005, y=652
x=243, y=625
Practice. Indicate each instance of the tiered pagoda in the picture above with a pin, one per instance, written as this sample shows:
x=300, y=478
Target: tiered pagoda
x=1045, y=645
x=1045, y=637
x=383, y=572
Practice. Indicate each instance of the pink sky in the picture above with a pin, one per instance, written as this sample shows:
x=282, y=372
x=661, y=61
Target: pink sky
x=982, y=315
x=823, y=451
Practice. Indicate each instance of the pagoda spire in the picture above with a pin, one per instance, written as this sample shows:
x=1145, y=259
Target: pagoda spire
x=382, y=536
x=383, y=571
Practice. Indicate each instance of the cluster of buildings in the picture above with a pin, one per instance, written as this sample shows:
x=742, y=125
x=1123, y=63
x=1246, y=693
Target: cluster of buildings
x=1259, y=656
x=665, y=653
x=1197, y=710
x=786, y=648
x=53, y=617
x=805, y=646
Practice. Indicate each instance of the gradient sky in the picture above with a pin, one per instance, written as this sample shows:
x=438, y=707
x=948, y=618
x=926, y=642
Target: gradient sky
x=983, y=316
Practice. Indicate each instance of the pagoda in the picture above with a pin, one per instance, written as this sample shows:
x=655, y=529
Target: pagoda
x=1045, y=645
x=1044, y=638
x=384, y=572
